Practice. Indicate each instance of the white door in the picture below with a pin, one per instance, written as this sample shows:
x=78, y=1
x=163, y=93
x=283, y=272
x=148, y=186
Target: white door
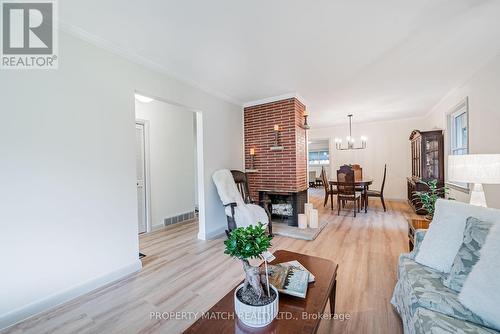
x=141, y=173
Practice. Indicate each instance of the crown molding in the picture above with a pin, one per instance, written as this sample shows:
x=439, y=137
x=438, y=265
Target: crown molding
x=138, y=59
x=377, y=121
x=274, y=99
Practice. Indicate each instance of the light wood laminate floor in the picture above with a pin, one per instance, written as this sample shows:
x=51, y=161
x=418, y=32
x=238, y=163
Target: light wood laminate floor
x=181, y=273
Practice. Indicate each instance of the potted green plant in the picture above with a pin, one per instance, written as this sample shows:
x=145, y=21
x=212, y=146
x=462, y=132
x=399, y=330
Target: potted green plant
x=255, y=300
x=427, y=198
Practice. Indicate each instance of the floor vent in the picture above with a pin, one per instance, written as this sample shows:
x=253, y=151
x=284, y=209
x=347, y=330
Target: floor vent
x=179, y=219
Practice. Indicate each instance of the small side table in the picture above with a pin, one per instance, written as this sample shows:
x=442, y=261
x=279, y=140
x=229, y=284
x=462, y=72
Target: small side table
x=413, y=225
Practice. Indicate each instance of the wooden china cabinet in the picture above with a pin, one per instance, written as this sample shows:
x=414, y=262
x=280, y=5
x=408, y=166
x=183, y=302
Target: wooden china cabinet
x=427, y=163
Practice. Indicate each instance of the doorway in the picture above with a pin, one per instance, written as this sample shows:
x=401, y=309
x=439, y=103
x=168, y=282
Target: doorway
x=141, y=167
x=167, y=160
x=318, y=159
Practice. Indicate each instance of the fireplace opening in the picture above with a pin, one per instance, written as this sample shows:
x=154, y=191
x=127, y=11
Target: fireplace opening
x=285, y=206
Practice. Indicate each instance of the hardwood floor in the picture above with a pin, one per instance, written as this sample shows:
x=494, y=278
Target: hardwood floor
x=183, y=274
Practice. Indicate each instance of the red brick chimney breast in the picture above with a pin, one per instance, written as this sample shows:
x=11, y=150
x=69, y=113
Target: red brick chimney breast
x=283, y=170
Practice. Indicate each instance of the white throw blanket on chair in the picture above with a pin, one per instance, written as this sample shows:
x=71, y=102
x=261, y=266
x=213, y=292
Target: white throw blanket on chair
x=244, y=214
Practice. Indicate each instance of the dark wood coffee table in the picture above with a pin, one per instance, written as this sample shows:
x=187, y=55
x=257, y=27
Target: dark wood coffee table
x=290, y=319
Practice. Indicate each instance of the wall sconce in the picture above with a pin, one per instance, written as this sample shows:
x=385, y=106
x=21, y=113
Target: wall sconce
x=276, y=146
x=252, y=155
x=305, y=126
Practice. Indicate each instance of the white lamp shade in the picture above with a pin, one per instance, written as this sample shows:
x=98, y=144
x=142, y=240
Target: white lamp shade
x=474, y=168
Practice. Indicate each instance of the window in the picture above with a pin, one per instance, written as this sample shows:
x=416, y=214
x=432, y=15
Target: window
x=319, y=157
x=458, y=130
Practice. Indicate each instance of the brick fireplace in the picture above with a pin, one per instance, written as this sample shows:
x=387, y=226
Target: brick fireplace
x=278, y=167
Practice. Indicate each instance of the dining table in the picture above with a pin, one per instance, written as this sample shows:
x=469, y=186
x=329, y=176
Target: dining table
x=363, y=183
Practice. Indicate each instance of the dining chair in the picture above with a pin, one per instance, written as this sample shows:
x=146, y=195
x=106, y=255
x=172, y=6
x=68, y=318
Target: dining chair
x=379, y=193
x=346, y=189
x=358, y=176
x=358, y=172
x=329, y=192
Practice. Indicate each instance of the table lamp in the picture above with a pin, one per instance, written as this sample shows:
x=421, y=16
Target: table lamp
x=477, y=169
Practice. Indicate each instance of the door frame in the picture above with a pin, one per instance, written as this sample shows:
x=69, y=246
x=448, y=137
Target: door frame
x=200, y=161
x=147, y=178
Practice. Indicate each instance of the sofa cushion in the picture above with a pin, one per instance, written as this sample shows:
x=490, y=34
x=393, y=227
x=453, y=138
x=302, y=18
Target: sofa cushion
x=445, y=234
x=429, y=322
x=419, y=237
x=474, y=237
x=421, y=286
x=481, y=290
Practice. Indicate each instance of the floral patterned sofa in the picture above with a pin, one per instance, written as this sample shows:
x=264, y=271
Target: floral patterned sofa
x=425, y=304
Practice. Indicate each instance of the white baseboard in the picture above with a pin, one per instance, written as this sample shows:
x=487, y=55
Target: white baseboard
x=213, y=234
x=157, y=227
x=41, y=305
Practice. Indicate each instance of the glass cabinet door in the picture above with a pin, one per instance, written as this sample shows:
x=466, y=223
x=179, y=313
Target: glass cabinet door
x=431, y=161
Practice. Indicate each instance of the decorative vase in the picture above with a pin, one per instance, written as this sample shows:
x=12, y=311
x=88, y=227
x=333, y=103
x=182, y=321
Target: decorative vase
x=256, y=316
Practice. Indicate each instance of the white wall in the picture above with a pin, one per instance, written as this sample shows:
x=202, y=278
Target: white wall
x=68, y=207
x=171, y=158
x=388, y=143
x=484, y=119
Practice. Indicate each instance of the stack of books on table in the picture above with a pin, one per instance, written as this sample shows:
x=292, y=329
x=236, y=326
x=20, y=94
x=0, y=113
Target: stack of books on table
x=290, y=278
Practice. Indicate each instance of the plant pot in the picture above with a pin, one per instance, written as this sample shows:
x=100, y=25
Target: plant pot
x=256, y=316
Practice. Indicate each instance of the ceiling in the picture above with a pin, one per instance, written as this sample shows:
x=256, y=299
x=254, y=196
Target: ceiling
x=379, y=60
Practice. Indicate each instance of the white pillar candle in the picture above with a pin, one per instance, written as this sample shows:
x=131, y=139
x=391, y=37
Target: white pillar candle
x=313, y=218
x=307, y=210
x=302, y=220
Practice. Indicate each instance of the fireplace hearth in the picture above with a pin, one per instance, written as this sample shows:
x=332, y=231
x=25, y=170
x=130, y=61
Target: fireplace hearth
x=285, y=206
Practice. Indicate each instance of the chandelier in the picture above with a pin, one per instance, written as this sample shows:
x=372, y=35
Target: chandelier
x=350, y=140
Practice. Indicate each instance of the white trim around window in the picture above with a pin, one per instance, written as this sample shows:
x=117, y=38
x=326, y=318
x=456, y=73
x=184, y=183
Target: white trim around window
x=457, y=123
